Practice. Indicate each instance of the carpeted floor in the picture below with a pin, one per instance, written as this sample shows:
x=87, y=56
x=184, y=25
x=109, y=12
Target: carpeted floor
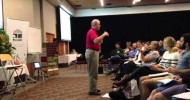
x=66, y=88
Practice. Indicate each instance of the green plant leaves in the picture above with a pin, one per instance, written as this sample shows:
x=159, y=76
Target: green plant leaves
x=5, y=45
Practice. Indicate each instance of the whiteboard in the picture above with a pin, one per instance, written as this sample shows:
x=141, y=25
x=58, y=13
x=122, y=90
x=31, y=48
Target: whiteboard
x=34, y=40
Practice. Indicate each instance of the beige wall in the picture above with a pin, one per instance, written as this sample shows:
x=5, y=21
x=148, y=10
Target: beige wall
x=36, y=14
x=27, y=10
x=49, y=19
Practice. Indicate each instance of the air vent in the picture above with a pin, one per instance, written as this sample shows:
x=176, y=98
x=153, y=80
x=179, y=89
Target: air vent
x=108, y=3
x=78, y=5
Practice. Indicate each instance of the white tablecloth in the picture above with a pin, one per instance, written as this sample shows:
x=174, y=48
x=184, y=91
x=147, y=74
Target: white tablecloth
x=67, y=58
x=9, y=72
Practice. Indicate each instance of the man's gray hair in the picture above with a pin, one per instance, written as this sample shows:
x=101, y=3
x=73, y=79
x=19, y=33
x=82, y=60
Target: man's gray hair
x=94, y=21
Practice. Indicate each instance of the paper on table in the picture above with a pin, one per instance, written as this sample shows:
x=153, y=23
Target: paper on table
x=158, y=74
x=182, y=96
x=166, y=81
x=106, y=95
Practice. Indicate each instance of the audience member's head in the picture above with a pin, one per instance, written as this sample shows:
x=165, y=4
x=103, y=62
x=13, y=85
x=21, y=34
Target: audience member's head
x=178, y=44
x=169, y=43
x=146, y=46
x=185, y=41
x=160, y=43
x=74, y=51
x=134, y=45
x=143, y=43
x=95, y=24
x=117, y=45
x=139, y=44
x=128, y=43
x=154, y=45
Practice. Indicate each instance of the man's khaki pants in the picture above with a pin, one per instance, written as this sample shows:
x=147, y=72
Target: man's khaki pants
x=92, y=58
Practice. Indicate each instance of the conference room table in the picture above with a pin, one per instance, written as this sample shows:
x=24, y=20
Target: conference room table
x=68, y=58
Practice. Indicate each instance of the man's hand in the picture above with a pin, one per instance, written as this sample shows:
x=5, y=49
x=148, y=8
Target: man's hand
x=172, y=70
x=106, y=33
x=153, y=67
x=140, y=50
x=178, y=79
x=130, y=59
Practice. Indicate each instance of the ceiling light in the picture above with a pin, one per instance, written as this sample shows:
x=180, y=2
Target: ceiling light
x=167, y=1
x=102, y=2
x=136, y=1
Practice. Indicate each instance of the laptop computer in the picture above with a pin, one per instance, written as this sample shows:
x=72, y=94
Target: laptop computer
x=37, y=65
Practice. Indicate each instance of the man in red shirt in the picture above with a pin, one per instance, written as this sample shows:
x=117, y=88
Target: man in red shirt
x=93, y=42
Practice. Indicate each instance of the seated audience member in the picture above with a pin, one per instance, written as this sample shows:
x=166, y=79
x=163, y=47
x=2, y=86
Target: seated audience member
x=146, y=48
x=130, y=58
x=74, y=51
x=137, y=58
x=141, y=58
x=182, y=69
x=115, y=56
x=170, y=58
x=150, y=57
x=178, y=45
x=127, y=49
x=166, y=93
x=130, y=62
x=161, y=49
x=133, y=52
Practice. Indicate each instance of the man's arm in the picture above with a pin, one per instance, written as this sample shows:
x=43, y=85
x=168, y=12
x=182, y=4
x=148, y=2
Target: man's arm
x=179, y=71
x=156, y=67
x=101, y=37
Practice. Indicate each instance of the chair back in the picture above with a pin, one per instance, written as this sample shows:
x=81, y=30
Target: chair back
x=6, y=57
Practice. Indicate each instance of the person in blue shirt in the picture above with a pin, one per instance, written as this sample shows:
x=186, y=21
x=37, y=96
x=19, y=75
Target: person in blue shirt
x=133, y=52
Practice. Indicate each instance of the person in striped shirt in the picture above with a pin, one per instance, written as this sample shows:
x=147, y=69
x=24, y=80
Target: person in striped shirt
x=169, y=59
x=182, y=70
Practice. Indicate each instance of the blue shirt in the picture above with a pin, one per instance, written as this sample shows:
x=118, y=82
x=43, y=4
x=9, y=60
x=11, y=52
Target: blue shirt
x=132, y=53
x=184, y=60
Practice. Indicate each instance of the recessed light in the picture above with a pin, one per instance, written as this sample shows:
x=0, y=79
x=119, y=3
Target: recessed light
x=77, y=5
x=167, y=1
x=136, y=1
x=102, y=2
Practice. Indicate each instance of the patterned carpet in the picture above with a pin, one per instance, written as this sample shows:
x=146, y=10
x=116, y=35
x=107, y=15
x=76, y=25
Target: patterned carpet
x=66, y=88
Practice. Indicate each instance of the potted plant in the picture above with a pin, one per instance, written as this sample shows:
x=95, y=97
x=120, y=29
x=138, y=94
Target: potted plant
x=5, y=46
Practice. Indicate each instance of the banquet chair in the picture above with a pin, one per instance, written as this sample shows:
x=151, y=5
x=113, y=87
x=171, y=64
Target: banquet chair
x=5, y=59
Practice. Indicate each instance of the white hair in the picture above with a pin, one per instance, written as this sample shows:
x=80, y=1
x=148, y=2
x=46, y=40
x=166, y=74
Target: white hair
x=94, y=22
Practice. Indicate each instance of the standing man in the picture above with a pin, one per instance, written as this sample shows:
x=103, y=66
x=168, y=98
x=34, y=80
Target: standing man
x=93, y=42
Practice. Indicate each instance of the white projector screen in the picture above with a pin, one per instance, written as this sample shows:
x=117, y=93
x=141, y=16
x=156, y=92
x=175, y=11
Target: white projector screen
x=65, y=25
x=1, y=14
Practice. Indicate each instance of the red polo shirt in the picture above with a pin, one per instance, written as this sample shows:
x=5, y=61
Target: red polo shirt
x=91, y=35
